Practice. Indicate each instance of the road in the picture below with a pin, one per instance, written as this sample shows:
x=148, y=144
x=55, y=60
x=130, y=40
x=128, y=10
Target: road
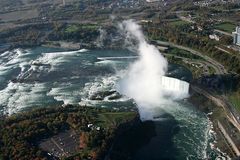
x=220, y=101
x=229, y=139
x=230, y=115
x=221, y=49
x=200, y=63
x=222, y=32
x=219, y=68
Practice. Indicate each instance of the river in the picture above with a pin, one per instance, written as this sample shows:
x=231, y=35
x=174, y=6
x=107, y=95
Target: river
x=41, y=76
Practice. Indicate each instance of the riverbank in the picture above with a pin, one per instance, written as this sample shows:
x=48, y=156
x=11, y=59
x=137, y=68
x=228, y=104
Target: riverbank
x=74, y=45
x=222, y=125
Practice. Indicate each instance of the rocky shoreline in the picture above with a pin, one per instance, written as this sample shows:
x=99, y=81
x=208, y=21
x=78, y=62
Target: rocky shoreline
x=216, y=114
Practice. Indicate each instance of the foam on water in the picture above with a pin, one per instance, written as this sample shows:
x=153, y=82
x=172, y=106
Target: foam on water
x=17, y=96
x=19, y=64
x=193, y=136
x=106, y=62
x=68, y=93
x=110, y=58
x=54, y=59
x=14, y=59
x=100, y=84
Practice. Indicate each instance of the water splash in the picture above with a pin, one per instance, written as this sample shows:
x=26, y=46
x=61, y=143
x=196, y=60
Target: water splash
x=144, y=80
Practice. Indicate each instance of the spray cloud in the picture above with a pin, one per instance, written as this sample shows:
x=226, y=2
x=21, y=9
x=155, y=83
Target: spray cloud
x=101, y=38
x=143, y=79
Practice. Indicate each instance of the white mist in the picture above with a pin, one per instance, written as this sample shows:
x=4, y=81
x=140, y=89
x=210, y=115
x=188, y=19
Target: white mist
x=142, y=82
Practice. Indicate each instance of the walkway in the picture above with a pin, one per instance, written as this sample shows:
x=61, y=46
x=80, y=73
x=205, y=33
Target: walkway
x=229, y=140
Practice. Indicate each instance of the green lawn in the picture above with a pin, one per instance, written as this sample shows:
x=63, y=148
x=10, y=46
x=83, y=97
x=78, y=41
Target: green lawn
x=235, y=100
x=75, y=27
x=72, y=29
x=115, y=118
x=178, y=22
x=226, y=26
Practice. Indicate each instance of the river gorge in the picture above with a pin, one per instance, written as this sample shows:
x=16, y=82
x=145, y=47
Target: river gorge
x=41, y=76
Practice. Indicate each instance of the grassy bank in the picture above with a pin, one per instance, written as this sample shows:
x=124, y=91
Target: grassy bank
x=234, y=98
x=226, y=26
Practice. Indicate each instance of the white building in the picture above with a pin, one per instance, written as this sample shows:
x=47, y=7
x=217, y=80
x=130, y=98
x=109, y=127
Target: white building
x=236, y=36
x=152, y=0
x=214, y=37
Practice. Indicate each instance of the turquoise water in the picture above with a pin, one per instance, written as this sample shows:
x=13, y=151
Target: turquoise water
x=46, y=77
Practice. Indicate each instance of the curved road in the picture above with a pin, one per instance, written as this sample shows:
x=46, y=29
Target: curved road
x=219, y=68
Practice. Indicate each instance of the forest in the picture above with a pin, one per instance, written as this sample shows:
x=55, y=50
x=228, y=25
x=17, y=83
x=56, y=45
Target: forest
x=186, y=36
x=21, y=133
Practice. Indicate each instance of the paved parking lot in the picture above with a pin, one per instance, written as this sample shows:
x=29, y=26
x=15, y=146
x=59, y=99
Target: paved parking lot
x=63, y=144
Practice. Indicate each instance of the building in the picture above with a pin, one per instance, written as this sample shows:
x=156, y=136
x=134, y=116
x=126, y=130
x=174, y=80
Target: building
x=214, y=37
x=236, y=36
x=152, y=0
